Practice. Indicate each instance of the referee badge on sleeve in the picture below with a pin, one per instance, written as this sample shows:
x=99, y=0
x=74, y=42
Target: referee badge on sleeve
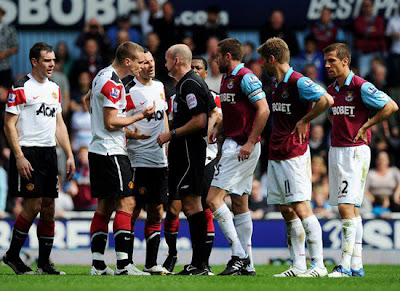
x=191, y=100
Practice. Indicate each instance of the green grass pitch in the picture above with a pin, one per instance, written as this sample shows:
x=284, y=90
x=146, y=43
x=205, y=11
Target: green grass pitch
x=378, y=277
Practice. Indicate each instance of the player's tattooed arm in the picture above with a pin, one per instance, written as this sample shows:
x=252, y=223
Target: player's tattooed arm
x=24, y=167
x=387, y=110
x=262, y=114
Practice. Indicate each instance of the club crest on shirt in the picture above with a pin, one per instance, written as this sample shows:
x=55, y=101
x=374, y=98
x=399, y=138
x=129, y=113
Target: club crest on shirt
x=11, y=98
x=230, y=84
x=114, y=93
x=162, y=96
x=54, y=95
x=130, y=185
x=349, y=97
x=285, y=93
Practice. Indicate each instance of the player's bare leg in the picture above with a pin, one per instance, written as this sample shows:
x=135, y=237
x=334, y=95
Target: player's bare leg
x=99, y=236
x=45, y=234
x=357, y=269
x=244, y=228
x=171, y=229
x=191, y=205
x=349, y=230
x=313, y=234
x=21, y=228
x=295, y=241
x=239, y=261
x=152, y=234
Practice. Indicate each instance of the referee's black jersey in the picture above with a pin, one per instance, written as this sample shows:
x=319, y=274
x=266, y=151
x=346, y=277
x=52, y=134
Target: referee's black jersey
x=192, y=98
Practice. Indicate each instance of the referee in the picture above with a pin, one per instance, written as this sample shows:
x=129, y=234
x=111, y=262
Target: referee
x=187, y=149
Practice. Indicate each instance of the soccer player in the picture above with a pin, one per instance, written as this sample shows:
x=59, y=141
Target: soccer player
x=110, y=170
x=33, y=119
x=147, y=158
x=349, y=155
x=171, y=222
x=245, y=111
x=289, y=165
x=187, y=149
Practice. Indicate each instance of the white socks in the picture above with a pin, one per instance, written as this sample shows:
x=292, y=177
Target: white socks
x=356, y=259
x=224, y=217
x=314, y=240
x=296, y=237
x=244, y=228
x=349, y=229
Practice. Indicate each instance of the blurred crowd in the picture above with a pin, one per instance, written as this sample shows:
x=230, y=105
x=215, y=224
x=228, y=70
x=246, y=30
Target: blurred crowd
x=375, y=45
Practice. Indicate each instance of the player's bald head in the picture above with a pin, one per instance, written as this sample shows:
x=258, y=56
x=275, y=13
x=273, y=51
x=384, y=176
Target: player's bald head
x=181, y=51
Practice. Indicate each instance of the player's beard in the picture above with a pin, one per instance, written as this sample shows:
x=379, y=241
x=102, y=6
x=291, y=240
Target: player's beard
x=223, y=68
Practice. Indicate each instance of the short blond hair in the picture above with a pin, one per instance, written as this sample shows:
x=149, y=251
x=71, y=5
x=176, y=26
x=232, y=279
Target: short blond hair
x=129, y=50
x=276, y=47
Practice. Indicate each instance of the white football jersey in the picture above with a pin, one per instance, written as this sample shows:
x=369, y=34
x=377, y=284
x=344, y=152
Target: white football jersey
x=146, y=152
x=36, y=105
x=107, y=91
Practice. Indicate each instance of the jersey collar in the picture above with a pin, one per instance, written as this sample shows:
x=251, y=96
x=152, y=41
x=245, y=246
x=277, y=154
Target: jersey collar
x=236, y=70
x=347, y=82
x=287, y=76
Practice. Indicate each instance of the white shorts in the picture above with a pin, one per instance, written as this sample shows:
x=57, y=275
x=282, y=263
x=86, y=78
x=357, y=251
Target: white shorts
x=348, y=169
x=289, y=180
x=231, y=175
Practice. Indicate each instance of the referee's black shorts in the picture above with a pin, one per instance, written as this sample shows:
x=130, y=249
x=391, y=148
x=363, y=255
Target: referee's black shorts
x=186, y=159
x=110, y=176
x=44, y=181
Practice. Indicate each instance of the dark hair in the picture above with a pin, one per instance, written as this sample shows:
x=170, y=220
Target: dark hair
x=232, y=46
x=200, y=58
x=34, y=52
x=341, y=49
x=146, y=50
x=213, y=9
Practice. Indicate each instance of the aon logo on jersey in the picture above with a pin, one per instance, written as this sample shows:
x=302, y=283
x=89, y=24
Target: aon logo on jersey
x=343, y=110
x=46, y=111
x=158, y=115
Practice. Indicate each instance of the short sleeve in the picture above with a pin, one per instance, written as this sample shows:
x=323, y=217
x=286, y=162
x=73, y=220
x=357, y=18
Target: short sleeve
x=15, y=101
x=372, y=97
x=170, y=112
x=212, y=101
x=112, y=93
x=309, y=90
x=195, y=98
x=252, y=87
x=59, y=107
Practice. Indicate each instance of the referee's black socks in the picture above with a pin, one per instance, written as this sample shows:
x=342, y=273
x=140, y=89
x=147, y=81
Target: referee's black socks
x=198, y=234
